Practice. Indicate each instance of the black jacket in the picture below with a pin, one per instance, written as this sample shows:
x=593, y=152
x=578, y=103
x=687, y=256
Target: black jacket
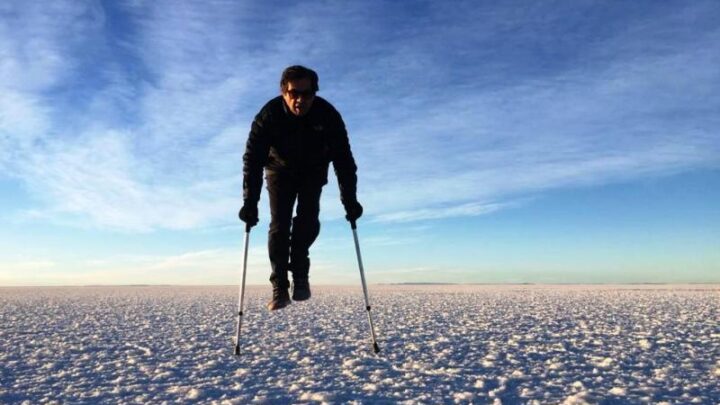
x=302, y=147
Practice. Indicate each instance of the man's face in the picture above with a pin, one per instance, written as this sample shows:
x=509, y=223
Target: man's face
x=299, y=96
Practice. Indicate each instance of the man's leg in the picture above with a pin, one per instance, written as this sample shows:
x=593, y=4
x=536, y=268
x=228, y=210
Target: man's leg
x=281, y=194
x=305, y=229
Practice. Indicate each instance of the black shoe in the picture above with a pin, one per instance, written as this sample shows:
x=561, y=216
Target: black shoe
x=280, y=299
x=301, y=289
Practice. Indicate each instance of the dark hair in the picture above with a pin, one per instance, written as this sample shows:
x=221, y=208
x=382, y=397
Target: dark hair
x=298, y=72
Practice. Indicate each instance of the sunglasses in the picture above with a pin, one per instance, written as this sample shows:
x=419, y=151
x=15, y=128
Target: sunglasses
x=294, y=93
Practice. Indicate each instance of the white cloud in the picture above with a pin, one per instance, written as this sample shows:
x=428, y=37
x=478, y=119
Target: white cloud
x=97, y=176
x=23, y=118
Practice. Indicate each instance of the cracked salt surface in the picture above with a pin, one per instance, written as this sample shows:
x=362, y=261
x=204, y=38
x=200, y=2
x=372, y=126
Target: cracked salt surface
x=440, y=344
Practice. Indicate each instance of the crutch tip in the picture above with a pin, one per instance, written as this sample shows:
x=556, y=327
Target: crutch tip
x=376, y=348
x=237, y=350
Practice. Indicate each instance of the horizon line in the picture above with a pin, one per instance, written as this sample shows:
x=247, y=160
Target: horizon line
x=376, y=284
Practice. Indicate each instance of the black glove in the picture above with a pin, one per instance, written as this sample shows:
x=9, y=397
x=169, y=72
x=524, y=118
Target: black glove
x=249, y=214
x=353, y=209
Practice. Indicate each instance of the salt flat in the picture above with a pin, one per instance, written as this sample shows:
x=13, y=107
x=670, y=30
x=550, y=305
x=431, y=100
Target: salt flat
x=440, y=344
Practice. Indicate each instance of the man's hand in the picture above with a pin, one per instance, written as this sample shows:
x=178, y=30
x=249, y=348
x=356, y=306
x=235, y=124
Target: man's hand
x=353, y=209
x=249, y=214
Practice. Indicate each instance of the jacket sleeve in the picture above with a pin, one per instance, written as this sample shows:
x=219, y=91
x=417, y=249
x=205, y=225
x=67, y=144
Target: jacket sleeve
x=255, y=157
x=344, y=163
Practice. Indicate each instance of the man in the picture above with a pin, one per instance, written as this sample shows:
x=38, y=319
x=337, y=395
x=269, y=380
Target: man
x=294, y=138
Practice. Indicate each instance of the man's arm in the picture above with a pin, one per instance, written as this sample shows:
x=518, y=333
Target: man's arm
x=344, y=164
x=255, y=158
x=346, y=172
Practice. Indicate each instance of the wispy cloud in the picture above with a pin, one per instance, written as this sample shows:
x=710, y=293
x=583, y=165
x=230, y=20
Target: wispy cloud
x=28, y=265
x=622, y=117
x=471, y=209
x=134, y=115
x=212, y=266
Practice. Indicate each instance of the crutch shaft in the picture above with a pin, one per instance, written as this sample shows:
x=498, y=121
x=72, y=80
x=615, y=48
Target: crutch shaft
x=376, y=348
x=241, y=299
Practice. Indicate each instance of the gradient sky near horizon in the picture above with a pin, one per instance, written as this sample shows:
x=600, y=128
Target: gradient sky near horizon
x=497, y=142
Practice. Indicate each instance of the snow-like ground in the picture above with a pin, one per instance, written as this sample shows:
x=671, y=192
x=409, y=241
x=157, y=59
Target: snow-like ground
x=440, y=344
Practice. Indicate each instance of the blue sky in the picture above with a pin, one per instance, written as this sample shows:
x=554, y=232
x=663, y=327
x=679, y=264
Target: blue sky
x=574, y=141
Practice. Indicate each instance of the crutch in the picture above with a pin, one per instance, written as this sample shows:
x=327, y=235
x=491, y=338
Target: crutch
x=376, y=348
x=241, y=299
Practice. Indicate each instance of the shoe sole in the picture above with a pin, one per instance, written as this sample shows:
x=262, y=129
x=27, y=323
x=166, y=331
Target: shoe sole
x=301, y=297
x=270, y=306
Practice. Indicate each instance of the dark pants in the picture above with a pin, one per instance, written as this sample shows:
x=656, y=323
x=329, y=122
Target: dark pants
x=289, y=239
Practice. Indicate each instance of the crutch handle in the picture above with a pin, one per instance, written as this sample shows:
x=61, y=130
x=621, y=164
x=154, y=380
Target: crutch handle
x=353, y=224
x=248, y=227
